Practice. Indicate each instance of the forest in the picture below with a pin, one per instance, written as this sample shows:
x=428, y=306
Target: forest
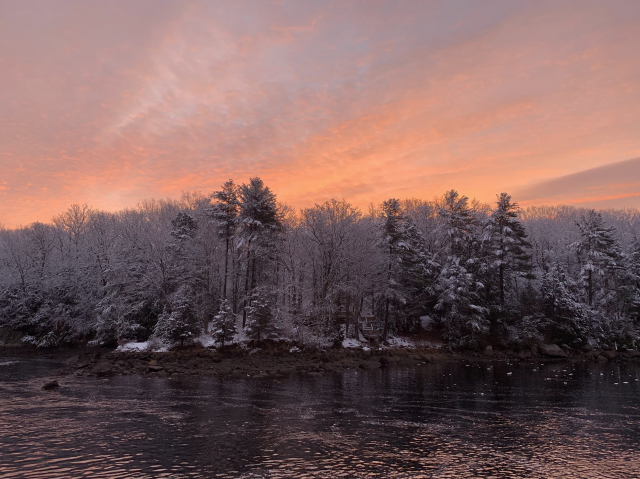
x=237, y=260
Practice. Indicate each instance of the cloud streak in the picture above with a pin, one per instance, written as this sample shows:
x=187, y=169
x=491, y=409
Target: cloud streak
x=614, y=184
x=109, y=103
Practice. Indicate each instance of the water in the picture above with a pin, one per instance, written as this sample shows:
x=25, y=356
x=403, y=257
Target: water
x=439, y=420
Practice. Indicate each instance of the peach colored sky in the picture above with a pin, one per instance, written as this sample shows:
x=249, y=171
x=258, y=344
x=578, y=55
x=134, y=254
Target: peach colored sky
x=113, y=102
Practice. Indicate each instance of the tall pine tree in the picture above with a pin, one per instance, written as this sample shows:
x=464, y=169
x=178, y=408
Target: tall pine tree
x=506, y=239
x=224, y=214
x=597, y=249
x=259, y=221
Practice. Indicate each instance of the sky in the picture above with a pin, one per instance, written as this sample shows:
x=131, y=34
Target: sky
x=110, y=103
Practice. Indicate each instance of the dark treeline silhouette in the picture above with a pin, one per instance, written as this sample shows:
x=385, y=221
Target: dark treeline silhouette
x=480, y=273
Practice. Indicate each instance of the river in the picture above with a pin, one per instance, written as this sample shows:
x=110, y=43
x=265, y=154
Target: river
x=437, y=420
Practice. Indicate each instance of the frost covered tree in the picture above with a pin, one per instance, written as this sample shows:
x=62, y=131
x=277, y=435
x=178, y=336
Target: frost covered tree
x=597, y=250
x=224, y=215
x=459, y=224
x=261, y=321
x=224, y=323
x=410, y=268
x=179, y=323
x=566, y=318
x=329, y=232
x=633, y=269
x=459, y=307
x=259, y=221
x=506, y=240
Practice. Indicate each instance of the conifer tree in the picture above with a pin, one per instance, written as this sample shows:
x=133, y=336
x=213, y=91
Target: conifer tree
x=565, y=314
x=597, y=249
x=260, y=318
x=224, y=323
x=633, y=280
x=458, y=223
x=459, y=306
x=259, y=221
x=224, y=214
x=507, y=241
x=410, y=267
x=180, y=323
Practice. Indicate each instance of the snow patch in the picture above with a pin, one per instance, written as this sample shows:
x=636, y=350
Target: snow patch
x=206, y=341
x=153, y=346
x=352, y=343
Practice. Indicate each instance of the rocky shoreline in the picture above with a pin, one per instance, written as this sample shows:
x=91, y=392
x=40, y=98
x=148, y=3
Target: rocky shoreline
x=279, y=359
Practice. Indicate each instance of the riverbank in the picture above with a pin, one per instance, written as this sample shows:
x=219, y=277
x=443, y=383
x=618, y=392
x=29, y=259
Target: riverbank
x=279, y=359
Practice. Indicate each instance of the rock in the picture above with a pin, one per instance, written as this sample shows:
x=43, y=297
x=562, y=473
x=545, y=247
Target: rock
x=488, y=351
x=155, y=369
x=72, y=361
x=552, y=350
x=524, y=355
x=103, y=368
x=51, y=385
x=610, y=355
x=602, y=358
x=384, y=362
x=632, y=353
x=153, y=362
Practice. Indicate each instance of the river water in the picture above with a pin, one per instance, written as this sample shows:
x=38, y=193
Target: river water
x=437, y=420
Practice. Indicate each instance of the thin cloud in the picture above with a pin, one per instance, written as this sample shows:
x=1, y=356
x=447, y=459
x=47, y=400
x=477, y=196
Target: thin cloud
x=613, y=184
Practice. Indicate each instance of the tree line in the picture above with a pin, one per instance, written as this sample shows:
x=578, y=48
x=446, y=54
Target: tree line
x=237, y=259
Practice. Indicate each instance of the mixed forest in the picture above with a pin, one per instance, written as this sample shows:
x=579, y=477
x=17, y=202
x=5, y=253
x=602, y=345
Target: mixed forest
x=238, y=261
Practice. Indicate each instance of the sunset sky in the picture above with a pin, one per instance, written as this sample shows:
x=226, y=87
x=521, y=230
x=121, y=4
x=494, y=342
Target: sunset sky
x=112, y=102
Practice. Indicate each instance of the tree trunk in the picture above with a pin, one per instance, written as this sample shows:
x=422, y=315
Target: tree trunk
x=502, y=284
x=226, y=268
x=385, y=330
x=246, y=286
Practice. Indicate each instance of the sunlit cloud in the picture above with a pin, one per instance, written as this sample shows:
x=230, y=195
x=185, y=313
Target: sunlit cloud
x=608, y=185
x=110, y=103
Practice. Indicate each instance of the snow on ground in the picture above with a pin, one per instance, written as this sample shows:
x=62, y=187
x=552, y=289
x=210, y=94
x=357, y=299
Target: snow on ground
x=206, y=340
x=352, y=343
x=410, y=343
x=143, y=346
x=154, y=346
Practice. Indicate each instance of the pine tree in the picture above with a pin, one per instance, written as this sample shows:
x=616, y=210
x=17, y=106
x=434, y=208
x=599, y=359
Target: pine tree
x=507, y=241
x=224, y=323
x=184, y=226
x=180, y=323
x=566, y=317
x=459, y=306
x=459, y=223
x=260, y=318
x=632, y=288
x=224, y=214
x=410, y=267
x=259, y=221
x=596, y=250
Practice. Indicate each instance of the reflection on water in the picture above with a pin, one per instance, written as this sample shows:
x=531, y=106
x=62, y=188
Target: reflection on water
x=440, y=420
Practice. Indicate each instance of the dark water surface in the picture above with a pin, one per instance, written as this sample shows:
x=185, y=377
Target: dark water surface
x=439, y=420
